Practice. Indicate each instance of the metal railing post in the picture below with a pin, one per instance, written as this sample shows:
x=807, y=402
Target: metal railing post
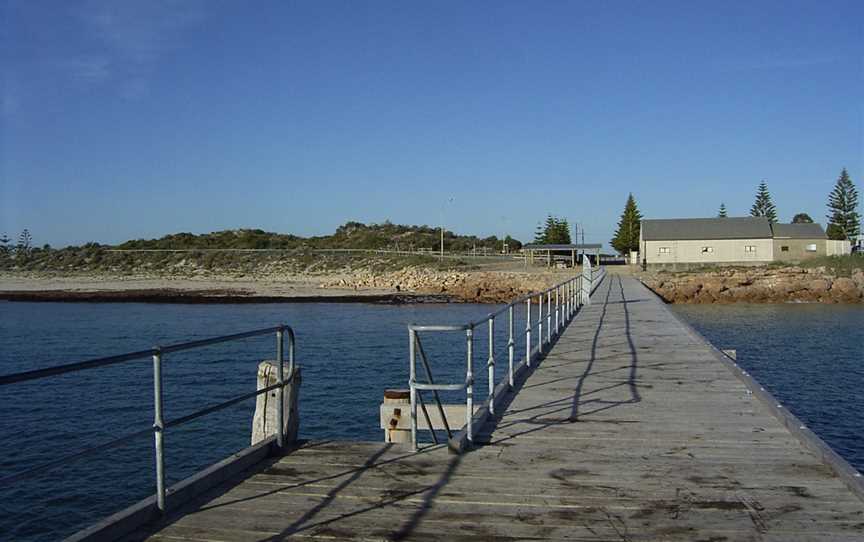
x=548, y=316
x=579, y=291
x=566, y=309
x=528, y=334
x=511, y=345
x=567, y=300
x=158, y=429
x=290, y=354
x=469, y=379
x=557, y=310
x=540, y=325
x=564, y=306
x=280, y=392
x=576, y=289
x=577, y=284
x=412, y=338
x=490, y=365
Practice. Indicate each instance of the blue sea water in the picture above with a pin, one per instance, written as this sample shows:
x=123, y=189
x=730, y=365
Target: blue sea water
x=350, y=353
x=810, y=357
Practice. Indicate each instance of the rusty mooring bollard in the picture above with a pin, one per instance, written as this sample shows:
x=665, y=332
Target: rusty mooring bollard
x=395, y=416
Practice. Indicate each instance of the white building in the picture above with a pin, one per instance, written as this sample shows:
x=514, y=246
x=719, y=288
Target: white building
x=690, y=242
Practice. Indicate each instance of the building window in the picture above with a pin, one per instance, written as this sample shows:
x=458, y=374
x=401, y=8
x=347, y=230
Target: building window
x=707, y=250
x=750, y=249
x=811, y=248
x=664, y=250
x=784, y=249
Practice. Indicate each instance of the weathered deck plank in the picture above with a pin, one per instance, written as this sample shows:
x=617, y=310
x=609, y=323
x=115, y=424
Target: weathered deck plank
x=629, y=430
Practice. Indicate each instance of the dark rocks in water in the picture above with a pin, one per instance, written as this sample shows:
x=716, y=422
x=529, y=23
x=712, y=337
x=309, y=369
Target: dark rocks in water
x=209, y=296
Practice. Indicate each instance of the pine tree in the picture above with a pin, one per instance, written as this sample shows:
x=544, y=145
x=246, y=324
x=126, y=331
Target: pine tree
x=4, y=244
x=627, y=235
x=802, y=218
x=833, y=231
x=560, y=234
x=555, y=231
x=25, y=240
x=549, y=230
x=844, y=222
x=763, y=206
x=539, y=235
x=722, y=212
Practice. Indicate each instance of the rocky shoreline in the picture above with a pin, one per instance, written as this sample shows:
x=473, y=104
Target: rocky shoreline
x=463, y=286
x=758, y=285
x=423, y=285
x=408, y=285
x=209, y=297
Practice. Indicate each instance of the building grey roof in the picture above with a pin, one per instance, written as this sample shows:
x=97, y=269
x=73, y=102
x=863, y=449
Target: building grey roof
x=580, y=246
x=798, y=231
x=685, y=229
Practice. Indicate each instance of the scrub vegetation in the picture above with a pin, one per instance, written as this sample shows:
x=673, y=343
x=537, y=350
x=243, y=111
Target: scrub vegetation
x=839, y=266
x=351, y=235
x=250, y=252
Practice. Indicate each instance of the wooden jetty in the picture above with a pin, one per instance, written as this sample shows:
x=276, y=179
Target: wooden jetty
x=631, y=428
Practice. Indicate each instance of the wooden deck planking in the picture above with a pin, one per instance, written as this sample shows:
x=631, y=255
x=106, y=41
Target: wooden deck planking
x=630, y=429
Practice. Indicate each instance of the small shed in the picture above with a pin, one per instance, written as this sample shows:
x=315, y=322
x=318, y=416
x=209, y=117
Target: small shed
x=796, y=242
x=555, y=252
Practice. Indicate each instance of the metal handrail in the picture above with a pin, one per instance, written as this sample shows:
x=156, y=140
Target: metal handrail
x=434, y=393
x=157, y=354
x=443, y=387
x=561, y=303
x=416, y=327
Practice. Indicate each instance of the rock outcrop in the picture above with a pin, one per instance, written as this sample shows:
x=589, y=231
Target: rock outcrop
x=758, y=285
x=473, y=287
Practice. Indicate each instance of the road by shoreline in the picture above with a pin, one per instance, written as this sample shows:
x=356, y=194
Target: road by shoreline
x=407, y=286
x=198, y=291
x=211, y=297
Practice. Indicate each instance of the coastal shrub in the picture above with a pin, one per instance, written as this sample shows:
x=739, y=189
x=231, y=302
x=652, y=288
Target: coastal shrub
x=840, y=266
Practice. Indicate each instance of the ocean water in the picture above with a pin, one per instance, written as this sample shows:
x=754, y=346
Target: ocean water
x=810, y=357
x=350, y=353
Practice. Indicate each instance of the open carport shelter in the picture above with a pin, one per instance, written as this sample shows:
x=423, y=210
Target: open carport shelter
x=550, y=252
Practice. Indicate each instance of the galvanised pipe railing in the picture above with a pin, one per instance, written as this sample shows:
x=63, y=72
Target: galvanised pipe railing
x=569, y=297
x=157, y=354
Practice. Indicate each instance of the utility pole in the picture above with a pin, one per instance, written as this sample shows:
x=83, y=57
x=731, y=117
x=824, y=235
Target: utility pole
x=503, y=235
x=450, y=200
x=441, y=256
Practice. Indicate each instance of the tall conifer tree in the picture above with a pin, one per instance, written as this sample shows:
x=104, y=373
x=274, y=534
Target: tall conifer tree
x=763, y=206
x=627, y=235
x=539, y=234
x=722, y=212
x=562, y=231
x=555, y=231
x=844, y=222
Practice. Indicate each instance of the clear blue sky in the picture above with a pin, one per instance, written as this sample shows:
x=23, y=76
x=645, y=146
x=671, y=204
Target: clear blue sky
x=136, y=119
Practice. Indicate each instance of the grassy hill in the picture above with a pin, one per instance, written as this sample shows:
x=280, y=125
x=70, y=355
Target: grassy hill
x=286, y=253
x=354, y=235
